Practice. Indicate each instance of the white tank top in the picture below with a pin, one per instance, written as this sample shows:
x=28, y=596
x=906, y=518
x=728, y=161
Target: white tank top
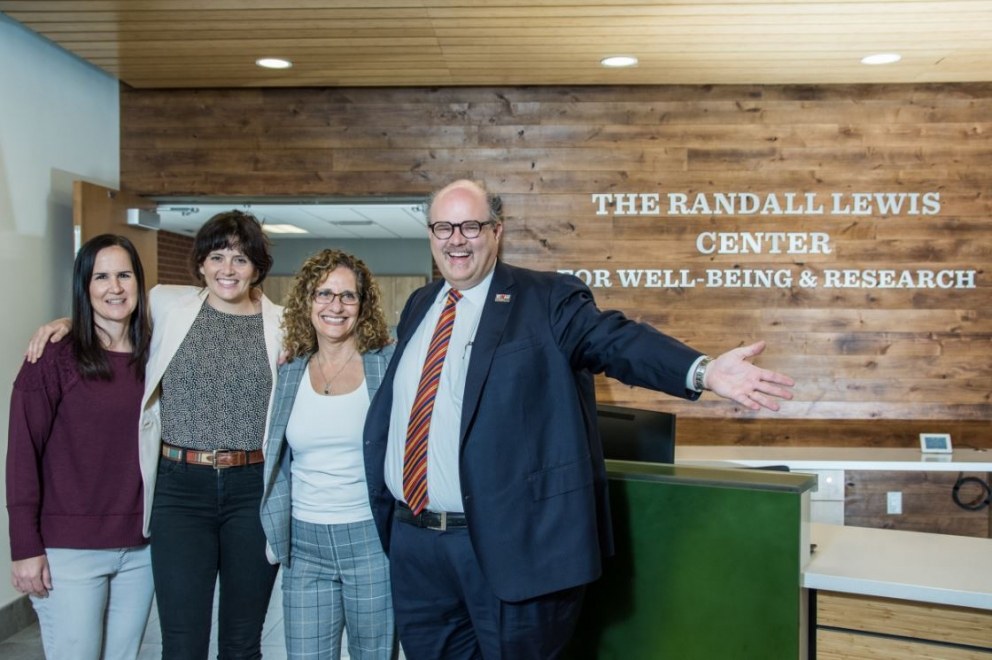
x=328, y=469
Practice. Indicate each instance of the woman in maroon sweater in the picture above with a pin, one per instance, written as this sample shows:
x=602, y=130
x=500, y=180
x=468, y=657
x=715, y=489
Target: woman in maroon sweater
x=74, y=490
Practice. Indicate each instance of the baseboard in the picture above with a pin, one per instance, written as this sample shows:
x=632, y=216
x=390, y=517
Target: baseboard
x=16, y=616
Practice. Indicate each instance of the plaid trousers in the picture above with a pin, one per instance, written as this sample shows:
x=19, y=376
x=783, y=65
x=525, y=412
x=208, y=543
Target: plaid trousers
x=337, y=578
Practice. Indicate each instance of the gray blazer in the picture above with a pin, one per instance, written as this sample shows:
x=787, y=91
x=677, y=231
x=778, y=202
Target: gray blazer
x=277, y=497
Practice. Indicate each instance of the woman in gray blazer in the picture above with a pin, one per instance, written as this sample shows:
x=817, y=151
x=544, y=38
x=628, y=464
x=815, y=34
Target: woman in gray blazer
x=315, y=506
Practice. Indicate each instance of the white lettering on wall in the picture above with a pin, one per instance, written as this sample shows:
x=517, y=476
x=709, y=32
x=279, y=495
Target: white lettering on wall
x=627, y=203
x=898, y=279
x=776, y=278
x=775, y=242
x=655, y=279
x=795, y=274
x=747, y=278
x=769, y=204
x=597, y=278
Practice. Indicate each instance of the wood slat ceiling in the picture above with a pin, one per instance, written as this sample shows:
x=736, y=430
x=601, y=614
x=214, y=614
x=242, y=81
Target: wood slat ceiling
x=204, y=43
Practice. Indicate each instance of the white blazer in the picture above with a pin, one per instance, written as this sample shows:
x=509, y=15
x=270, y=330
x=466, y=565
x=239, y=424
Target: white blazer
x=174, y=308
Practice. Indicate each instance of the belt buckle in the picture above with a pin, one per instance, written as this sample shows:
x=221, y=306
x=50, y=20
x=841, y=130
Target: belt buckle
x=213, y=461
x=443, y=524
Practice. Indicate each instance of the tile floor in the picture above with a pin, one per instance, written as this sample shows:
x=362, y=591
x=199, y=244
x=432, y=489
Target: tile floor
x=26, y=645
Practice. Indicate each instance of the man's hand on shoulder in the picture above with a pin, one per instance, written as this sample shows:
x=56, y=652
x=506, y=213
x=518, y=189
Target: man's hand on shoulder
x=733, y=377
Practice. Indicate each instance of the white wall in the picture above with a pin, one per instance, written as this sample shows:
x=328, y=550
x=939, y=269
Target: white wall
x=59, y=121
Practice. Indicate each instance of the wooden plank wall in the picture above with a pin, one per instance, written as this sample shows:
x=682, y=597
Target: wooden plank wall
x=875, y=366
x=927, y=502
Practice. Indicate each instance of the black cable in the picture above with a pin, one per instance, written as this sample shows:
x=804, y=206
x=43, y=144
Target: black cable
x=983, y=499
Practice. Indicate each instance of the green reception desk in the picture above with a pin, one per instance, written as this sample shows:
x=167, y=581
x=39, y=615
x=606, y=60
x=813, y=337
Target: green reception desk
x=708, y=566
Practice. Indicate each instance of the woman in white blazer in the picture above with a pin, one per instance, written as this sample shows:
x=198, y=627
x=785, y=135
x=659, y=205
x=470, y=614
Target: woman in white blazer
x=204, y=418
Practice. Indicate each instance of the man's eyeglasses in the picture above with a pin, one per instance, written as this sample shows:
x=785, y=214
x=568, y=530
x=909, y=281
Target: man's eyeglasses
x=469, y=228
x=326, y=296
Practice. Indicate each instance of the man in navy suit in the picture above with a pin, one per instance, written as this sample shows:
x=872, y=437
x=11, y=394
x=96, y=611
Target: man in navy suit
x=491, y=560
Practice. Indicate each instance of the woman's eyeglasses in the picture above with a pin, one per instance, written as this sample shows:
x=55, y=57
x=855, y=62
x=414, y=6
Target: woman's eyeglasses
x=326, y=296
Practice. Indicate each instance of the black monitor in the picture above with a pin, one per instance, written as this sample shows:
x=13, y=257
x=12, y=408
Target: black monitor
x=631, y=434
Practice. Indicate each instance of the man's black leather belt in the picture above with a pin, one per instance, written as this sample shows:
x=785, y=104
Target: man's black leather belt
x=430, y=519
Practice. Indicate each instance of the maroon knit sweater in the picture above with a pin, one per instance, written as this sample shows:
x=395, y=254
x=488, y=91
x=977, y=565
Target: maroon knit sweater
x=73, y=479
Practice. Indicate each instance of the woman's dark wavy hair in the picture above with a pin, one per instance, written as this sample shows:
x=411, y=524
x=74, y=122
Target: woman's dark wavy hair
x=86, y=344
x=234, y=230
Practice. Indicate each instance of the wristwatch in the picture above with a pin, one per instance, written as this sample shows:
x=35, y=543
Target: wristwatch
x=699, y=377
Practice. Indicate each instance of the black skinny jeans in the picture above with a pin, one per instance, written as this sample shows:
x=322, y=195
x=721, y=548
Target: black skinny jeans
x=204, y=522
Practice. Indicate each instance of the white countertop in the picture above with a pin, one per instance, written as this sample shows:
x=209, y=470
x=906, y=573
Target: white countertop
x=916, y=566
x=834, y=458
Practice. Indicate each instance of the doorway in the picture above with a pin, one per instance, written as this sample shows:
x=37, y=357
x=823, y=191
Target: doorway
x=388, y=233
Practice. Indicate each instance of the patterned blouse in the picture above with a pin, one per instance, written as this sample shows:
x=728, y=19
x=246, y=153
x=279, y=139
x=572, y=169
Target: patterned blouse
x=215, y=391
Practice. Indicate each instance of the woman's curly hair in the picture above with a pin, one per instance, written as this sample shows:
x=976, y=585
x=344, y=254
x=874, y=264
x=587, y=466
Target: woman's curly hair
x=371, y=331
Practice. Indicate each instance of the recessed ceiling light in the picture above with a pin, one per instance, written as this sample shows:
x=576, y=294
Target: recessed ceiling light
x=284, y=229
x=618, y=61
x=881, y=58
x=273, y=63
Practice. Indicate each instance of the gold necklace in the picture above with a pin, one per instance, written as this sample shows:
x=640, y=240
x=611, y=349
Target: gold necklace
x=328, y=381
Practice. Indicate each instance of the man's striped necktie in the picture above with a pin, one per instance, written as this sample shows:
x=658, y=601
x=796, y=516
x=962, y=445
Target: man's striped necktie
x=415, y=453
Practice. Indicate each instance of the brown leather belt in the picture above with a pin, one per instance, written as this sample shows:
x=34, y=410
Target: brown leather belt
x=217, y=458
